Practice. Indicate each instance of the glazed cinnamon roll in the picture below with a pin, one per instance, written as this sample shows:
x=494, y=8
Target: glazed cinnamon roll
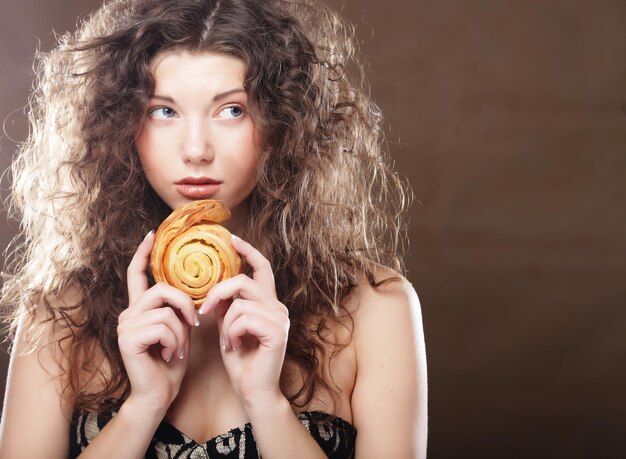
x=192, y=252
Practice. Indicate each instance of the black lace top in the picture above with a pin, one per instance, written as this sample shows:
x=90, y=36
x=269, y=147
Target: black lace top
x=335, y=436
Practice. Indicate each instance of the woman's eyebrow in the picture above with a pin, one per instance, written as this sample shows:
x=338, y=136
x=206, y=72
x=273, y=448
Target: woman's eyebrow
x=216, y=98
x=227, y=93
x=165, y=98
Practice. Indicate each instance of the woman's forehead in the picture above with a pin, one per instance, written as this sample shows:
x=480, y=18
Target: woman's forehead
x=179, y=67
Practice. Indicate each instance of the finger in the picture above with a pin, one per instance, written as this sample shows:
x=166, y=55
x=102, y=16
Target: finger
x=238, y=286
x=136, y=274
x=220, y=312
x=168, y=317
x=269, y=333
x=240, y=307
x=164, y=294
x=261, y=267
x=131, y=329
x=139, y=341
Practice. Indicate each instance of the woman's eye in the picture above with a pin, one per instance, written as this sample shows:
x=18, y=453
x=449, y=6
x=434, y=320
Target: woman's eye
x=161, y=113
x=231, y=112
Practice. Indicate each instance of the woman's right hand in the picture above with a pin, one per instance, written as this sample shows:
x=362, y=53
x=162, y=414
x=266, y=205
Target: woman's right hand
x=153, y=335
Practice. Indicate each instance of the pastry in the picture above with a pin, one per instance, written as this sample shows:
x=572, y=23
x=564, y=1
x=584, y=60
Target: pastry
x=192, y=251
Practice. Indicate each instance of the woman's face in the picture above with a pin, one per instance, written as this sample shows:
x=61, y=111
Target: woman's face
x=198, y=140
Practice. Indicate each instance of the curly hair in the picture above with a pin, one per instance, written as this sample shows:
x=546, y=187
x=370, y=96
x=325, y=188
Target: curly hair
x=326, y=209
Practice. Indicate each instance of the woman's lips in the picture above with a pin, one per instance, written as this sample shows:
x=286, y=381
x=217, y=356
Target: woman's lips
x=197, y=190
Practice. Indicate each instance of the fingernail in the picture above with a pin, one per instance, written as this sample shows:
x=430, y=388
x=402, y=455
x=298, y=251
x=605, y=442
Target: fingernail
x=150, y=233
x=235, y=237
x=196, y=320
x=181, y=356
x=222, y=342
x=203, y=308
x=167, y=359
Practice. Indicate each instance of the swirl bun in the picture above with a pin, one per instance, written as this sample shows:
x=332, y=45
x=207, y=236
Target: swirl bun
x=192, y=252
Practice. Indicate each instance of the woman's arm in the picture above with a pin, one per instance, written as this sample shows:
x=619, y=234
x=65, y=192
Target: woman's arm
x=254, y=328
x=154, y=377
x=35, y=419
x=389, y=401
x=33, y=423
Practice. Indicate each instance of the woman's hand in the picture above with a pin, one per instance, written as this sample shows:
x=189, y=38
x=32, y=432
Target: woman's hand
x=253, y=327
x=153, y=335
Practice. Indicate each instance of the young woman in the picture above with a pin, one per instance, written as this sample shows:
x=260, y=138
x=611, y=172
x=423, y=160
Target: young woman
x=316, y=350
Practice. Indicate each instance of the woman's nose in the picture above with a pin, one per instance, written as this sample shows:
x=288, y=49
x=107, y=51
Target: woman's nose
x=196, y=143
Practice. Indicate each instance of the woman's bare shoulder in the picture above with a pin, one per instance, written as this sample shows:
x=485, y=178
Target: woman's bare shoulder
x=34, y=405
x=391, y=363
x=386, y=292
x=39, y=327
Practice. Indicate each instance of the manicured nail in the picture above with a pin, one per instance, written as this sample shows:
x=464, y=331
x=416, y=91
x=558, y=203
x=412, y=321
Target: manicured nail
x=150, y=233
x=235, y=237
x=222, y=342
x=181, y=356
x=196, y=320
x=167, y=359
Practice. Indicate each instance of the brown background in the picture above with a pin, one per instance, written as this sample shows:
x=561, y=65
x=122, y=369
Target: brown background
x=509, y=119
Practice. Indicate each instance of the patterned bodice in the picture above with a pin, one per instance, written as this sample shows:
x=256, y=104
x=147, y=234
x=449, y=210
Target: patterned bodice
x=335, y=436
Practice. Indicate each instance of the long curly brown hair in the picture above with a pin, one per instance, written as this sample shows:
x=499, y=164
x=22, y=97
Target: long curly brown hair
x=326, y=209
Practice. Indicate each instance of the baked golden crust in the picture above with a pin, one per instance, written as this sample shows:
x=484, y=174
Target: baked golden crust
x=192, y=251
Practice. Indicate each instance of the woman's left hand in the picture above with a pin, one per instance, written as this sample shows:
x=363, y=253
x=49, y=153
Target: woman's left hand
x=253, y=327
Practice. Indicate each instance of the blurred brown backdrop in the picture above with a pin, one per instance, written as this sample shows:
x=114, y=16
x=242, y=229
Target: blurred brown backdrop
x=509, y=119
